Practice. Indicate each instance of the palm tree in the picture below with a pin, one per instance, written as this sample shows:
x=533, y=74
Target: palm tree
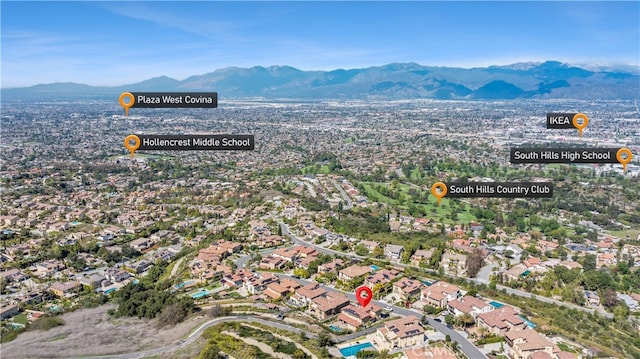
x=467, y=319
x=377, y=290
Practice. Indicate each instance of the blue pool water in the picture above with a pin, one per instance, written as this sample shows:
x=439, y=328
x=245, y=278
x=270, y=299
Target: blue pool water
x=110, y=290
x=335, y=329
x=530, y=324
x=183, y=284
x=426, y=282
x=200, y=294
x=374, y=267
x=496, y=304
x=354, y=349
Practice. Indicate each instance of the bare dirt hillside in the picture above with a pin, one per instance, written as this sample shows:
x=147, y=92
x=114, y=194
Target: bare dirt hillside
x=93, y=332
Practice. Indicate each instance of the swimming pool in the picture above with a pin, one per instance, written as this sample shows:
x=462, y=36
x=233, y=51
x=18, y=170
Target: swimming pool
x=110, y=290
x=183, y=284
x=354, y=349
x=374, y=267
x=335, y=329
x=530, y=324
x=496, y=304
x=200, y=294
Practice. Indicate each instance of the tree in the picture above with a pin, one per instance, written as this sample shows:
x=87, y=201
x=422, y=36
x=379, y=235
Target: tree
x=466, y=319
x=620, y=312
x=474, y=262
x=449, y=319
x=589, y=262
x=562, y=254
x=361, y=250
x=566, y=275
x=597, y=279
x=378, y=252
x=429, y=309
x=219, y=311
x=521, y=224
x=172, y=315
x=301, y=272
x=609, y=299
x=324, y=340
x=366, y=354
x=299, y=354
x=355, y=282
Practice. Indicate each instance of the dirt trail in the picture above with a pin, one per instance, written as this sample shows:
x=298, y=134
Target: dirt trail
x=174, y=270
x=262, y=346
x=281, y=337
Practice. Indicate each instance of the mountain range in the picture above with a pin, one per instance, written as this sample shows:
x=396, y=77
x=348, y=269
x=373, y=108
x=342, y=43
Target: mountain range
x=545, y=80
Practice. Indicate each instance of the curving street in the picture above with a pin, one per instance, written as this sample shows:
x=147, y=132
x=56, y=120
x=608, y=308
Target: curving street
x=345, y=196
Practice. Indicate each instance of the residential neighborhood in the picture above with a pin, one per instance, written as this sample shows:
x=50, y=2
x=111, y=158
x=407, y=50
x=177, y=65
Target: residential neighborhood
x=290, y=237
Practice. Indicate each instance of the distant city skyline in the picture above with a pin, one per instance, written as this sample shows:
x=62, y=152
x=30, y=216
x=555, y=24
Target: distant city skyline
x=116, y=43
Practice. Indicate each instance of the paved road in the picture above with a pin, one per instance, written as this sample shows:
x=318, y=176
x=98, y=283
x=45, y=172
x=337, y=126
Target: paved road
x=240, y=262
x=485, y=272
x=196, y=334
x=344, y=194
x=286, y=232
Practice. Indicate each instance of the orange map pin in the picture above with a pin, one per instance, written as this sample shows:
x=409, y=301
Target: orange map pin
x=126, y=105
x=132, y=147
x=580, y=125
x=439, y=190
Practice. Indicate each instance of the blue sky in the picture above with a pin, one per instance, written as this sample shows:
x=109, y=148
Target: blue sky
x=115, y=43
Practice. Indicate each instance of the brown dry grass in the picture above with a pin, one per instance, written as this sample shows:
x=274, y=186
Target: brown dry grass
x=94, y=332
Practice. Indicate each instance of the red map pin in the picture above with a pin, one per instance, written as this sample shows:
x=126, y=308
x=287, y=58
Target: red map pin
x=364, y=295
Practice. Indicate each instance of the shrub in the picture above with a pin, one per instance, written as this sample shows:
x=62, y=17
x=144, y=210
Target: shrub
x=46, y=323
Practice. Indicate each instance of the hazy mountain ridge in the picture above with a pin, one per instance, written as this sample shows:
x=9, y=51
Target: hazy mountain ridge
x=549, y=79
